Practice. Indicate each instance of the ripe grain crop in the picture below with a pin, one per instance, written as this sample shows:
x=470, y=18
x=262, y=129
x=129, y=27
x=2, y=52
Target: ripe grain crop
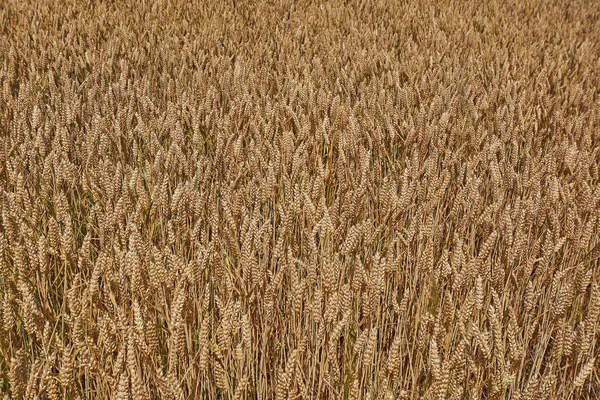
x=299, y=200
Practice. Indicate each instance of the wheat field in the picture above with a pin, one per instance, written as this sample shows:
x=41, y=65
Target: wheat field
x=299, y=200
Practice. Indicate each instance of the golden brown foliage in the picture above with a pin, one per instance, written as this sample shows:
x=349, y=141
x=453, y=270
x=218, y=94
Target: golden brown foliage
x=292, y=199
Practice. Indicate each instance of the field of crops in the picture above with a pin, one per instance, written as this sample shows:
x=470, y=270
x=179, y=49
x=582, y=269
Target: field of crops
x=299, y=200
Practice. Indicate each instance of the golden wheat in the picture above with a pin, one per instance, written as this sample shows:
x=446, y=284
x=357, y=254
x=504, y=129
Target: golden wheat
x=296, y=199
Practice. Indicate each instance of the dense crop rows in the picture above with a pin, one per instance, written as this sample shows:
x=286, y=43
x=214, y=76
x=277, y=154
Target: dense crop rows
x=299, y=200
